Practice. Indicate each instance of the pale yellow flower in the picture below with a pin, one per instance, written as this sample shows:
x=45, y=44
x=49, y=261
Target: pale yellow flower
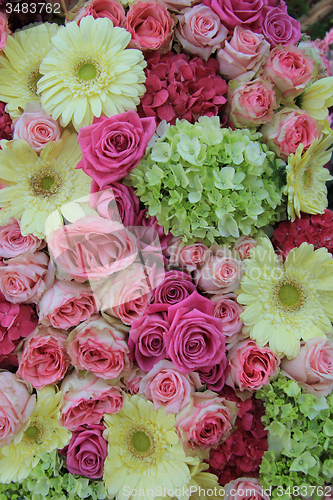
x=317, y=98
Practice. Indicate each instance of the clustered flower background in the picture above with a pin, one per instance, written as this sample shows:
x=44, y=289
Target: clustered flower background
x=166, y=273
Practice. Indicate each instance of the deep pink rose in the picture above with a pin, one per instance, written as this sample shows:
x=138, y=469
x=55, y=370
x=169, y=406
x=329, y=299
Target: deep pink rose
x=195, y=338
x=244, y=488
x=313, y=367
x=111, y=9
x=117, y=202
x=86, y=451
x=175, y=287
x=200, y=31
x=287, y=130
x=250, y=366
x=112, y=147
x=91, y=248
x=278, y=27
x=44, y=359
x=206, y=421
x=25, y=278
x=4, y=30
x=189, y=257
x=66, y=304
x=16, y=406
x=86, y=399
x=236, y=12
x=242, y=56
x=98, y=347
x=166, y=386
x=150, y=25
x=228, y=310
x=243, y=246
x=214, y=376
x=13, y=244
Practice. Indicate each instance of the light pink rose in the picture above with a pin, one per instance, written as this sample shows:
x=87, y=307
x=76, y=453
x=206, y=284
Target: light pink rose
x=221, y=273
x=287, y=130
x=66, y=304
x=244, y=488
x=250, y=366
x=313, y=367
x=132, y=380
x=98, y=347
x=36, y=127
x=25, y=278
x=289, y=69
x=12, y=243
x=103, y=8
x=44, y=359
x=86, y=399
x=189, y=257
x=91, y=248
x=165, y=386
x=206, y=421
x=251, y=103
x=16, y=406
x=228, y=310
x=243, y=246
x=243, y=55
x=200, y=31
x=4, y=30
x=150, y=25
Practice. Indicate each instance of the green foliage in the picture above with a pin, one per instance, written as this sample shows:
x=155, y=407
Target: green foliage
x=208, y=183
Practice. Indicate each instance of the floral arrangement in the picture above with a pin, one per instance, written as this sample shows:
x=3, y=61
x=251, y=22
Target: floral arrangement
x=166, y=271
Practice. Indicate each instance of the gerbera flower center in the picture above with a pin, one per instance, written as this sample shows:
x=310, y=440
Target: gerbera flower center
x=46, y=182
x=141, y=441
x=289, y=295
x=32, y=80
x=87, y=71
x=307, y=178
x=32, y=432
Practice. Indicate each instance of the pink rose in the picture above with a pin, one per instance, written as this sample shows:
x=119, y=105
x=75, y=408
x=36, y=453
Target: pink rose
x=98, y=347
x=150, y=25
x=66, y=304
x=175, y=287
x=117, y=202
x=200, y=31
x=132, y=380
x=44, y=359
x=250, y=366
x=243, y=246
x=195, y=338
x=251, y=103
x=206, y=421
x=91, y=248
x=87, y=451
x=244, y=488
x=103, y=8
x=278, y=27
x=287, y=130
x=13, y=244
x=313, y=367
x=236, y=12
x=289, y=69
x=189, y=257
x=86, y=399
x=16, y=406
x=25, y=278
x=221, y=273
x=4, y=30
x=166, y=386
x=112, y=147
x=228, y=310
x=243, y=55
x=214, y=376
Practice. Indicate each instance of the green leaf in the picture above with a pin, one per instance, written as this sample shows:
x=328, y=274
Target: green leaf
x=303, y=463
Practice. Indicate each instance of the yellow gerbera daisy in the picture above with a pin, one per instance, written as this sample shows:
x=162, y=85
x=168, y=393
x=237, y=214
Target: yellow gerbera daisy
x=40, y=186
x=306, y=178
x=42, y=434
x=290, y=302
x=144, y=451
x=317, y=98
x=98, y=74
x=19, y=66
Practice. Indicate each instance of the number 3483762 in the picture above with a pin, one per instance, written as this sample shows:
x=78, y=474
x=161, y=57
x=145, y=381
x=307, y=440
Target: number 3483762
x=33, y=8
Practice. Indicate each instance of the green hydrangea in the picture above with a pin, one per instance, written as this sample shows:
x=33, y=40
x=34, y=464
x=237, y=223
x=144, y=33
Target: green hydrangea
x=207, y=183
x=300, y=439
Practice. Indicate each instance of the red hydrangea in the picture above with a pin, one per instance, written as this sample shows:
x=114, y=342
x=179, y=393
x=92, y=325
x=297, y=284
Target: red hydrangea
x=314, y=229
x=181, y=87
x=5, y=123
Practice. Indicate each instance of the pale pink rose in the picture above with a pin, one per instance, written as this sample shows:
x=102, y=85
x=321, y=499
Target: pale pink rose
x=91, y=248
x=251, y=103
x=98, y=347
x=250, y=366
x=25, y=278
x=206, y=421
x=16, y=406
x=36, y=127
x=150, y=25
x=86, y=399
x=200, y=31
x=243, y=246
x=4, y=30
x=243, y=55
x=132, y=380
x=66, y=304
x=13, y=244
x=313, y=367
x=287, y=130
x=289, y=69
x=327, y=41
x=189, y=257
x=165, y=386
x=44, y=359
x=244, y=488
x=228, y=310
x=126, y=294
x=221, y=273
x=103, y=8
